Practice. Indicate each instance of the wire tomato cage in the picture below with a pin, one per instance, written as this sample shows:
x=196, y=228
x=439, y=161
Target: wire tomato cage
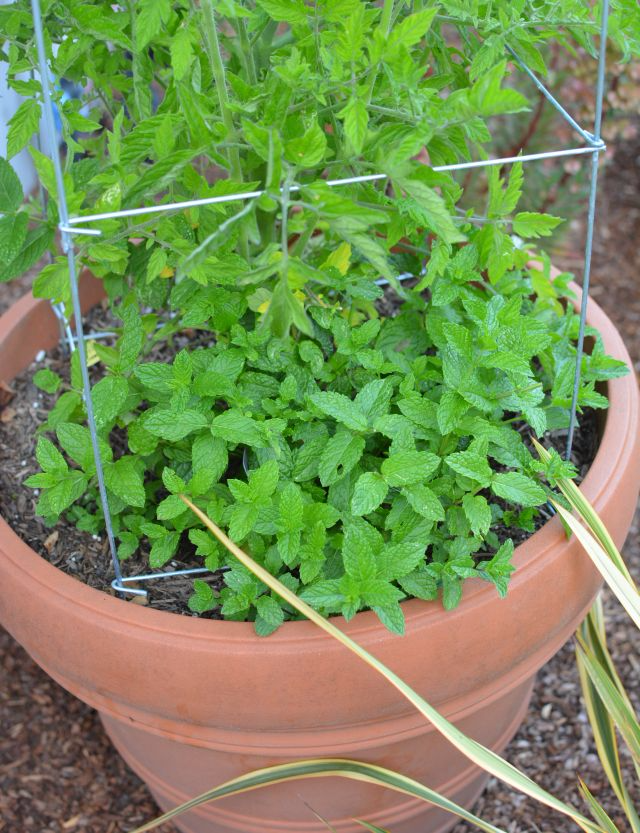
x=69, y=226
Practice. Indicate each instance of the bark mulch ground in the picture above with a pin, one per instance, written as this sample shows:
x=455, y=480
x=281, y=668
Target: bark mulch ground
x=59, y=773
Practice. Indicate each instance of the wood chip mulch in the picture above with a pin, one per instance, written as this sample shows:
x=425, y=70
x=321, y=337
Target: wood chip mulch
x=59, y=773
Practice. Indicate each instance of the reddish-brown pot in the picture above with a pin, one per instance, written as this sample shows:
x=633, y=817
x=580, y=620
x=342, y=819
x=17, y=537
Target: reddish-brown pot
x=190, y=703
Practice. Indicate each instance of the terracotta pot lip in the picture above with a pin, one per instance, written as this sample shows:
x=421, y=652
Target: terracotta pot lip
x=602, y=479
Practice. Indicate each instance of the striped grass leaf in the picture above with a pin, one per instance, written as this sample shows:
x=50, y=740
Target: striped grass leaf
x=324, y=768
x=485, y=758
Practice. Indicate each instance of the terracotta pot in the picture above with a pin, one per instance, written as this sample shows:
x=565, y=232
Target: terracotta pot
x=190, y=703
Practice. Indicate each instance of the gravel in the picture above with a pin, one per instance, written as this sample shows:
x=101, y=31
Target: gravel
x=59, y=773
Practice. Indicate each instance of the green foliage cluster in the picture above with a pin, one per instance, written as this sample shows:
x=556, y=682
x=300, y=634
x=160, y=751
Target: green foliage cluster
x=361, y=457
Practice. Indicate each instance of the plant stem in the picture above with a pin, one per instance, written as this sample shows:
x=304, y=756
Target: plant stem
x=385, y=24
x=246, y=53
x=212, y=45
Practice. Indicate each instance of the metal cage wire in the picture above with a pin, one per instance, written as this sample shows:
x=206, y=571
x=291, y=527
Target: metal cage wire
x=70, y=226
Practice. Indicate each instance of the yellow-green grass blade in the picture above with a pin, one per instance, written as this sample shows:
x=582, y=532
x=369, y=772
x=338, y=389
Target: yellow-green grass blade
x=603, y=728
x=371, y=827
x=625, y=591
x=597, y=811
x=582, y=506
x=324, y=768
x=592, y=632
x=474, y=751
x=624, y=718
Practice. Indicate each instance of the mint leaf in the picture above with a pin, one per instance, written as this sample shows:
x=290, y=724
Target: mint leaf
x=235, y=427
x=341, y=454
x=10, y=188
x=49, y=458
x=163, y=548
x=124, y=479
x=478, y=513
x=424, y=501
x=471, y=464
x=174, y=425
x=47, y=380
x=499, y=568
x=374, y=399
x=203, y=598
x=342, y=409
x=369, y=492
x=408, y=467
x=170, y=508
x=109, y=396
x=210, y=454
x=357, y=556
x=518, y=488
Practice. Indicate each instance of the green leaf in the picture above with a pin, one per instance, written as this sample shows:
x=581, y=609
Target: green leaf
x=529, y=224
x=10, y=188
x=22, y=125
x=235, y=427
x=163, y=549
x=436, y=215
x=124, y=479
x=47, y=380
x=356, y=119
x=451, y=408
x=76, y=441
x=398, y=560
x=270, y=612
x=341, y=408
x=499, y=567
x=210, y=454
x=36, y=243
x=181, y=53
x=13, y=232
x=133, y=336
x=309, y=149
x=518, y=488
x=472, y=464
x=203, y=598
x=174, y=425
x=109, y=396
x=357, y=555
x=412, y=29
x=374, y=399
x=369, y=492
x=290, y=523
x=342, y=452
x=408, y=467
x=287, y=11
x=170, y=508
x=49, y=458
x=478, y=513
x=159, y=176
x=172, y=482
x=424, y=501
x=152, y=16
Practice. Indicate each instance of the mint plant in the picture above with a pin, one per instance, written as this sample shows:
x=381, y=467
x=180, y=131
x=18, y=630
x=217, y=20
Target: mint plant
x=361, y=434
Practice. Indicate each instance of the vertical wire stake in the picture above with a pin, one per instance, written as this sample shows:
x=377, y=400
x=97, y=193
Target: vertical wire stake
x=67, y=247
x=591, y=217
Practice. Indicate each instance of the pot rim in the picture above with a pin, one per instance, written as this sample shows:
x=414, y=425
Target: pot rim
x=530, y=556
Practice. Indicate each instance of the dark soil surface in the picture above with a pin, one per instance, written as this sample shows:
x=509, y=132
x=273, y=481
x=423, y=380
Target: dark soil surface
x=58, y=771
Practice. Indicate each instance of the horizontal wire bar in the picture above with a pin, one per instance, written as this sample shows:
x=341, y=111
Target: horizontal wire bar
x=120, y=587
x=352, y=180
